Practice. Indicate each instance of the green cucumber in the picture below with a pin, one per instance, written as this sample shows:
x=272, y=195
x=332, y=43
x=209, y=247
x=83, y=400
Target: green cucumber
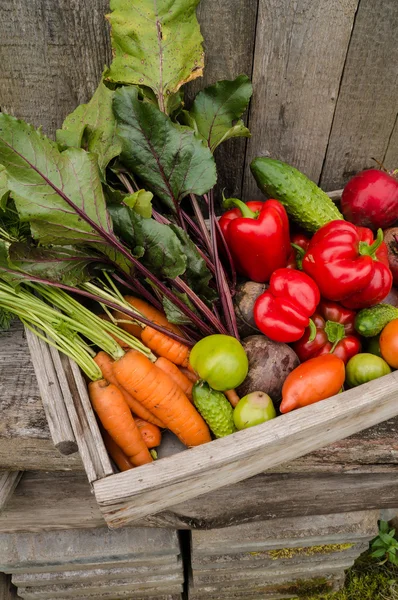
x=214, y=408
x=305, y=202
x=370, y=321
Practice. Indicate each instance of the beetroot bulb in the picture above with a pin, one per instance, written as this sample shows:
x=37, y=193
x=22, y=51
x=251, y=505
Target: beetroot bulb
x=370, y=199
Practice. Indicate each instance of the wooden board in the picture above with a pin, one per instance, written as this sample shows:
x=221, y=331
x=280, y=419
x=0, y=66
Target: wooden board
x=52, y=55
x=229, y=30
x=368, y=103
x=61, y=500
x=391, y=157
x=25, y=441
x=8, y=483
x=151, y=488
x=51, y=393
x=296, y=75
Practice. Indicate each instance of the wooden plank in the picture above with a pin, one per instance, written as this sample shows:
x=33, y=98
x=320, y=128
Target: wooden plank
x=229, y=30
x=91, y=446
x=152, y=488
x=391, y=157
x=7, y=590
x=368, y=104
x=51, y=393
x=25, y=441
x=297, y=71
x=8, y=483
x=52, y=57
x=61, y=500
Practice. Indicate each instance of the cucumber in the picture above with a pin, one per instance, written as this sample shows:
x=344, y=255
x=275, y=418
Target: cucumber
x=370, y=321
x=305, y=202
x=214, y=408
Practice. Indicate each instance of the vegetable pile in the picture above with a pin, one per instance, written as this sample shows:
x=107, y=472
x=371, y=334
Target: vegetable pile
x=111, y=251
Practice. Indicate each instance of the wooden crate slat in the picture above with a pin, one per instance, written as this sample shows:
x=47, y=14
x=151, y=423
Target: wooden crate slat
x=155, y=487
x=52, y=394
x=8, y=482
x=91, y=446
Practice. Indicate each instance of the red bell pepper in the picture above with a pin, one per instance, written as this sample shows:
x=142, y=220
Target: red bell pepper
x=348, y=264
x=299, y=243
x=257, y=235
x=335, y=334
x=283, y=312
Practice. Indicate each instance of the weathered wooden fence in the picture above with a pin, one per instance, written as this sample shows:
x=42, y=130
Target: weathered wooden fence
x=325, y=76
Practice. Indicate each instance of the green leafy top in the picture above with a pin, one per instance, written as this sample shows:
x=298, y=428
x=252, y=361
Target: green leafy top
x=93, y=127
x=50, y=188
x=4, y=189
x=216, y=111
x=156, y=43
x=168, y=158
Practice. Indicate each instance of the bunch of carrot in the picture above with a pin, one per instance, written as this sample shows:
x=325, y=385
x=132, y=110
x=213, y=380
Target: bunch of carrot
x=137, y=397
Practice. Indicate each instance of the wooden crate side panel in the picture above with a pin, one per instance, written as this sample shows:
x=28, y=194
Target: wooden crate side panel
x=391, y=157
x=134, y=495
x=368, y=103
x=299, y=58
x=8, y=483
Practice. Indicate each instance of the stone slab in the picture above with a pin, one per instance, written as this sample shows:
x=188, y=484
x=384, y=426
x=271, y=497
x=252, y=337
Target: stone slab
x=133, y=586
x=95, y=574
x=252, y=562
x=288, y=532
x=78, y=546
x=160, y=593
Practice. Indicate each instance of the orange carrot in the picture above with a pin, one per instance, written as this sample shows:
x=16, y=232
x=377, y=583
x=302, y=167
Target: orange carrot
x=159, y=394
x=105, y=363
x=151, y=434
x=179, y=378
x=232, y=397
x=115, y=416
x=148, y=311
x=116, y=453
x=162, y=345
x=191, y=375
x=121, y=343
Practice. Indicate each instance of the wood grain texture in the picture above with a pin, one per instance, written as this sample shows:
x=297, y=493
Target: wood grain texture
x=51, y=394
x=229, y=30
x=8, y=483
x=25, y=441
x=368, y=103
x=52, y=54
x=391, y=156
x=297, y=71
x=88, y=437
x=152, y=488
x=63, y=501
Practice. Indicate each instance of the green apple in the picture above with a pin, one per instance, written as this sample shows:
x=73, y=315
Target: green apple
x=253, y=409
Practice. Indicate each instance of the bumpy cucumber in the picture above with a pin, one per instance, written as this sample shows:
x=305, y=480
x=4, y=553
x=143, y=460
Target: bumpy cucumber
x=370, y=321
x=214, y=408
x=305, y=202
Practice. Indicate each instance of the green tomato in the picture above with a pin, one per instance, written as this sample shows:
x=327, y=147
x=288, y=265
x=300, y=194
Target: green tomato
x=253, y=409
x=365, y=367
x=221, y=361
x=373, y=346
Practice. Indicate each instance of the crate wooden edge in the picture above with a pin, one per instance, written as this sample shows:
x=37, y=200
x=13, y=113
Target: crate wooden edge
x=152, y=488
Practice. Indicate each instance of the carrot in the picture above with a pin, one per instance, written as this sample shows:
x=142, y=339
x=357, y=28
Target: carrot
x=115, y=416
x=105, y=363
x=179, y=378
x=151, y=434
x=147, y=311
x=116, y=453
x=232, y=397
x=159, y=394
x=121, y=343
x=162, y=345
x=191, y=375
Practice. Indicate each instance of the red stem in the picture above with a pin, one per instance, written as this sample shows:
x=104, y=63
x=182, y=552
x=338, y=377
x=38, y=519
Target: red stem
x=183, y=287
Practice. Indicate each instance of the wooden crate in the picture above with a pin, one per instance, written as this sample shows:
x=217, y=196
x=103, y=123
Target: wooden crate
x=133, y=495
